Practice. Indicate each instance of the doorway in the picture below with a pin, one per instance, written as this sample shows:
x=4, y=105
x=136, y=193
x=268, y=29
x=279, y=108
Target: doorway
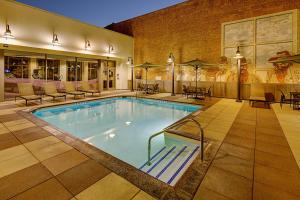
x=109, y=75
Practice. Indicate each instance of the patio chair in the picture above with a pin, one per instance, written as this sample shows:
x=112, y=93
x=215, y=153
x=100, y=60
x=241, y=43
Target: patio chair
x=208, y=93
x=70, y=89
x=140, y=87
x=85, y=87
x=269, y=99
x=283, y=99
x=26, y=92
x=257, y=94
x=51, y=91
x=154, y=89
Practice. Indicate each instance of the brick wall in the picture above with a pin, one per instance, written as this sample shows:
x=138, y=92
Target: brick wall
x=192, y=29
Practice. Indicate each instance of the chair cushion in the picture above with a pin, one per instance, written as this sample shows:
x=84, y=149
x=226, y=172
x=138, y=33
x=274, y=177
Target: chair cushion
x=257, y=98
x=31, y=97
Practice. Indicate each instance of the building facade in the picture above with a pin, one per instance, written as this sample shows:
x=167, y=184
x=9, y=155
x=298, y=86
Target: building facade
x=45, y=47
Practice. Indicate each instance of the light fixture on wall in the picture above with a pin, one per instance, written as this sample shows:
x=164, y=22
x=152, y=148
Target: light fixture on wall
x=171, y=61
x=7, y=34
x=130, y=63
x=88, y=45
x=110, y=48
x=55, y=41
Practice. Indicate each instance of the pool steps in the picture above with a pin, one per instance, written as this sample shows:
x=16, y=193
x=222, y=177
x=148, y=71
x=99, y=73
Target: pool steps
x=169, y=163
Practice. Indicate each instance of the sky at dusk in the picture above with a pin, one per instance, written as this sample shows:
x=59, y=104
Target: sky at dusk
x=101, y=12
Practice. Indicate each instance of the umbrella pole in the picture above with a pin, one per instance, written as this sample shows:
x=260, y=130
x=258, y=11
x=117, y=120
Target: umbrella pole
x=196, y=81
x=146, y=80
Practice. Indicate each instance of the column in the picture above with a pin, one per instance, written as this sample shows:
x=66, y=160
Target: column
x=32, y=66
x=2, y=75
x=99, y=75
x=85, y=73
x=63, y=70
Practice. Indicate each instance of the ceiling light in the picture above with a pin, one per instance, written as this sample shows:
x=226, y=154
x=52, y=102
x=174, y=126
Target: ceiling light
x=55, y=41
x=7, y=34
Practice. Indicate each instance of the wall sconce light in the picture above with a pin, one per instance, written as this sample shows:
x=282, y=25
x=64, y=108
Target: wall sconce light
x=87, y=45
x=171, y=59
x=129, y=61
x=55, y=41
x=110, y=49
x=7, y=34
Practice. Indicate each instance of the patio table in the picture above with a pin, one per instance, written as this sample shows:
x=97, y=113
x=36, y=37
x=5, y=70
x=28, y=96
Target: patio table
x=295, y=99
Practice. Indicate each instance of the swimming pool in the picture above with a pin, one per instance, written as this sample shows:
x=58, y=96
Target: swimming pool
x=121, y=126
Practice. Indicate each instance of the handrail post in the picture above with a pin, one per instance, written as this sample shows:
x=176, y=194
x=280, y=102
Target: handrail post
x=149, y=145
x=176, y=124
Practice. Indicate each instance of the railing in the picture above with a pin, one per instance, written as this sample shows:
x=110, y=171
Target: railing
x=174, y=125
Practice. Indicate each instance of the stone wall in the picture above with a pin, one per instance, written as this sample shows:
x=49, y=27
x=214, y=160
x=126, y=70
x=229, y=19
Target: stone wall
x=192, y=29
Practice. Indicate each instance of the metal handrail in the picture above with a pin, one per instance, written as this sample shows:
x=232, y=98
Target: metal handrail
x=149, y=145
x=177, y=124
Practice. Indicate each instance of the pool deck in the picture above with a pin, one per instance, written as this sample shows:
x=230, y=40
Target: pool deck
x=255, y=155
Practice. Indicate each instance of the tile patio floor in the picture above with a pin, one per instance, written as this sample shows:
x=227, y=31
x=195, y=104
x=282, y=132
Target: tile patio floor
x=253, y=160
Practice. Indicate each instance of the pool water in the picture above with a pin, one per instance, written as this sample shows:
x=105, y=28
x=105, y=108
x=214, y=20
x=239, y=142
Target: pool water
x=119, y=126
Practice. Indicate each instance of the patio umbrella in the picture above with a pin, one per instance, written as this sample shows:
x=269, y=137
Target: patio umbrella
x=197, y=64
x=146, y=66
x=285, y=59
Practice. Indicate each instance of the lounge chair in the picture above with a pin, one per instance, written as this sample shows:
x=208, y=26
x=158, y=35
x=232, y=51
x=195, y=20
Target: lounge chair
x=51, y=91
x=70, y=89
x=257, y=94
x=26, y=92
x=85, y=87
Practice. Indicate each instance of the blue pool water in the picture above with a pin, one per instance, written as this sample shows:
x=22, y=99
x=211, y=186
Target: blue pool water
x=119, y=126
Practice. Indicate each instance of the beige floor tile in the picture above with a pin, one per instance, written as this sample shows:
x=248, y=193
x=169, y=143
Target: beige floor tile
x=18, y=127
x=16, y=122
x=47, y=147
x=143, y=196
x=214, y=135
x=206, y=194
x=111, y=187
x=14, y=159
x=3, y=130
x=64, y=161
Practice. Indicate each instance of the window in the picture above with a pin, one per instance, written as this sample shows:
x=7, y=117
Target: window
x=93, y=67
x=74, y=72
x=16, y=67
x=52, y=70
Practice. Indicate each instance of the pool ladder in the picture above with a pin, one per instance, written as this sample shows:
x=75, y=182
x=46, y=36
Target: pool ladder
x=169, y=130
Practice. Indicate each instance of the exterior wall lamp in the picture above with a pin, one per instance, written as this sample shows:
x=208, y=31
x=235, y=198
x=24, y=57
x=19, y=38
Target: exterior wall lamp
x=55, y=41
x=7, y=34
x=171, y=61
x=110, y=49
x=130, y=63
x=88, y=45
x=238, y=56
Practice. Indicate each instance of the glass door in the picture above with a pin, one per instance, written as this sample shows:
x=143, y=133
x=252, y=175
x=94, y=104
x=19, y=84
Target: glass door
x=109, y=75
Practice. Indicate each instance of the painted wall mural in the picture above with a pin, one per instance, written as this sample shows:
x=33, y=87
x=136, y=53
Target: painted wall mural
x=261, y=39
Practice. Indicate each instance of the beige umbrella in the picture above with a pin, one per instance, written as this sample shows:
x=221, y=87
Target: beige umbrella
x=286, y=59
x=197, y=64
x=147, y=66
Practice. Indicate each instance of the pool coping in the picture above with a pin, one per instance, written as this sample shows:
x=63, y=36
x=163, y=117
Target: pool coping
x=186, y=186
